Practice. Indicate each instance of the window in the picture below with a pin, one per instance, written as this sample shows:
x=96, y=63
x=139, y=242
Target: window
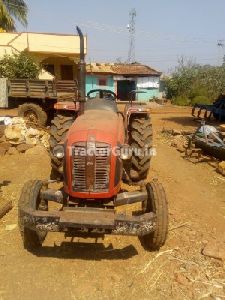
x=67, y=72
x=50, y=69
x=102, y=82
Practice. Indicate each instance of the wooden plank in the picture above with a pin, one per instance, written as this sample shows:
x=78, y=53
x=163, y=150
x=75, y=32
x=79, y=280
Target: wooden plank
x=40, y=88
x=5, y=207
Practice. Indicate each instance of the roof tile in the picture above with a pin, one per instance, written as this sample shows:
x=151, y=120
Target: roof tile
x=122, y=69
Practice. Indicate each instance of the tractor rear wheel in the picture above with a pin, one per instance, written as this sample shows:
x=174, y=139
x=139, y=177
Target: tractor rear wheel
x=141, y=140
x=30, y=198
x=156, y=203
x=59, y=128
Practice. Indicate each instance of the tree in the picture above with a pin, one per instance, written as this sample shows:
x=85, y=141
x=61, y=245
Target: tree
x=191, y=82
x=20, y=65
x=10, y=11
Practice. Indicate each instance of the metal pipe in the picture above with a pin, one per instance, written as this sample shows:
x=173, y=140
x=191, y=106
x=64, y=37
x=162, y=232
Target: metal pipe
x=130, y=198
x=82, y=71
x=52, y=195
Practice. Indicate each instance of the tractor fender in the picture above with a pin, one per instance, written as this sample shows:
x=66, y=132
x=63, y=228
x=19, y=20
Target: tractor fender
x=134, y=110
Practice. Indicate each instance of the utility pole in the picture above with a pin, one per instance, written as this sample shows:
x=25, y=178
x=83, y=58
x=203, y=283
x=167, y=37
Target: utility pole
x=131, y=28
x=221, y=45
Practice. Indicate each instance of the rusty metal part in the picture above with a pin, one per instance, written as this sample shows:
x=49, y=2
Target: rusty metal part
x=135, y=225
x=130, y=198
x=88, y=219
x=90, y=172
x=52, y=195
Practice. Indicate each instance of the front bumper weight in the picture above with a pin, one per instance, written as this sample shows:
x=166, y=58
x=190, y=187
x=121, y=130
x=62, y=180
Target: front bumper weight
x=88, y=219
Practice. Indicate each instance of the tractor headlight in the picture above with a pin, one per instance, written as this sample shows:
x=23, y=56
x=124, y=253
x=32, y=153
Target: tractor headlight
x=125, y=152
x=58, y=151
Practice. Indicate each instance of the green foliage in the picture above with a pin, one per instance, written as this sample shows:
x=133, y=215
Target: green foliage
x=200, y=100
x=197, y=90
x=191, y=81
x=10, y=11
x=19, y=65
x=181, y=100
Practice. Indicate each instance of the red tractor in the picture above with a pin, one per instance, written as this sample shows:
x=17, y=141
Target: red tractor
x=101, y=148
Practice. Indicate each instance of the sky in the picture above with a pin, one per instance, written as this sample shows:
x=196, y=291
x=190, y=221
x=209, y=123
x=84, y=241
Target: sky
x=165, y=30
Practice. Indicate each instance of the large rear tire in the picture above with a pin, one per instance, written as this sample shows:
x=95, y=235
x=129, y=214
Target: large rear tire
x=140, y=138
x=156, y=203
x=30, y=198
x=33, y=113
x=59, y=128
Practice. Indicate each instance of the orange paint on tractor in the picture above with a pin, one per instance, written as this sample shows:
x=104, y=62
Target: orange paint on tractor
x=95, y=124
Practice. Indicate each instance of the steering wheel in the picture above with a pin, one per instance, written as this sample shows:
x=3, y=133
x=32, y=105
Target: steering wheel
x=103, y=94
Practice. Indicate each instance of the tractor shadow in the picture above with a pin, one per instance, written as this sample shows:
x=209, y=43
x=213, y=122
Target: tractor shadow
x=184, y=121
x=189, y=121
x=86, y=251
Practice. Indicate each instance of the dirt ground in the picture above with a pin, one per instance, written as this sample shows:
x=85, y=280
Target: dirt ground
x=118, y=267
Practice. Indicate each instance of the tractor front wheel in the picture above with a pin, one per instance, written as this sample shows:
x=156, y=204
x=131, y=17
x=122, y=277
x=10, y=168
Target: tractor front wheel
x=156, y=203
x=30, y=198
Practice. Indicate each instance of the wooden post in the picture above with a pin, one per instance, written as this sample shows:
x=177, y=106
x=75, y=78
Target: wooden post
x=5, y=208
x=46, y=89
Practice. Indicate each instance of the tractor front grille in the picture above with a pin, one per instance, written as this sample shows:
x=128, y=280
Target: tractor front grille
x=91, y=167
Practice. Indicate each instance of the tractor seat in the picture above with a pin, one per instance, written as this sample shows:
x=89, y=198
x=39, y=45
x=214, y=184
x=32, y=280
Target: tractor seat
x=101, y=104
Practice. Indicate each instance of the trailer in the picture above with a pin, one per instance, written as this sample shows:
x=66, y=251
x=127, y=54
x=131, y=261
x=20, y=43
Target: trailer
x=36, y=99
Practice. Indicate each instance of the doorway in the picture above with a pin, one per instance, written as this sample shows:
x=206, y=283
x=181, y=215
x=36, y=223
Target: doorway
x=124, y=87
x=67, y=72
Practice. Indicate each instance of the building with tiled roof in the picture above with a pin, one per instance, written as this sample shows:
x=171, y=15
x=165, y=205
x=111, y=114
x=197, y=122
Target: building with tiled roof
x=124, y=78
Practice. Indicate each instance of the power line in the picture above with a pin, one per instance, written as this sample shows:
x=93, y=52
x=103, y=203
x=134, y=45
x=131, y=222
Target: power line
x=140, y=33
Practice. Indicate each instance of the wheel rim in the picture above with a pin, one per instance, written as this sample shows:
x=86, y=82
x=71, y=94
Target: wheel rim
x=31, y=116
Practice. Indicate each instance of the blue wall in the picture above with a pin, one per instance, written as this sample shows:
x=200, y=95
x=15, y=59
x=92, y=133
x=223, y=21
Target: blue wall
x=93, y=80
x=148, y=94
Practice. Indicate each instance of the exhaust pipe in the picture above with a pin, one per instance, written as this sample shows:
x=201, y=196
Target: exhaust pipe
x=82, y=71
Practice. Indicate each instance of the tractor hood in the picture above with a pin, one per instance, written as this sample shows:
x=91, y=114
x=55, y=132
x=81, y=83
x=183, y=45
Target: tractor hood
x=103, y=126
x=94, y=176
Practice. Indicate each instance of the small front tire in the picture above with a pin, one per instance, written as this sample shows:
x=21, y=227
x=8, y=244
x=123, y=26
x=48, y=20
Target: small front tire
x=30, y=198
x=156, y=203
